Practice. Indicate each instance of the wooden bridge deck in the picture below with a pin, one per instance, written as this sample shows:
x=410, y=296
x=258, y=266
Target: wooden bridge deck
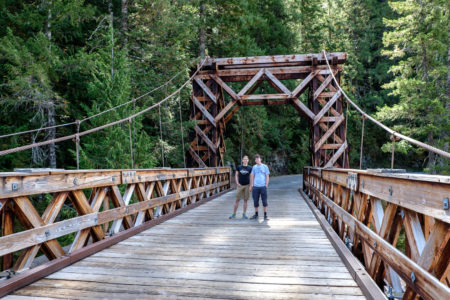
x=202, y=254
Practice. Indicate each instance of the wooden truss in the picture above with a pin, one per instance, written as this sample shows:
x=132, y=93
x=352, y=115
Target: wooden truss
x=371, y=211
x=324, y=109
x=102, y=209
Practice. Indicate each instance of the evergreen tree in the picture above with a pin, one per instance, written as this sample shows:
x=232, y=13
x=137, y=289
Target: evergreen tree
x=418, y=42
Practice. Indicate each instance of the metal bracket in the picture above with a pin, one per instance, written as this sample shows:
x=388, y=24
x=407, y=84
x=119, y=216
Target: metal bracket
x=7, y=274
x=445, y=203
x=413, y=277
x=348, y=243
x=352, y=181
x=129, y=176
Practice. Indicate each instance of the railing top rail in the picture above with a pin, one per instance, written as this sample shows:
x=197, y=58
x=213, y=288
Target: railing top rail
x=390, y=174
x=36, y=172
x=24, y=184
x=424, y=194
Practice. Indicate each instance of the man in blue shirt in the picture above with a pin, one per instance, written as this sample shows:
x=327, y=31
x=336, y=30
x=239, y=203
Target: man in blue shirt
x=259, y=181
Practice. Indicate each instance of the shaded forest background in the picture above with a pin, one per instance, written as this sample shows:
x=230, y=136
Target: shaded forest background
x=64, y=60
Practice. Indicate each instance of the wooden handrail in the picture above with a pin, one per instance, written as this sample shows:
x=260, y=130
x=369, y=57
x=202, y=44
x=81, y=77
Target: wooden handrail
x=102, y=209
x=371, y=209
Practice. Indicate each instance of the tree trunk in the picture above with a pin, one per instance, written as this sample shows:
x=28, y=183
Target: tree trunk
x=425, y=64
x=50, y=102
x=51, y=134
x=202, y=32
x=111, y=20
x=442, y=161
x=124, y=23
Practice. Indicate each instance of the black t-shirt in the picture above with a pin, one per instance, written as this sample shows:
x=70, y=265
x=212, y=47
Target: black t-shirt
x=244, y=174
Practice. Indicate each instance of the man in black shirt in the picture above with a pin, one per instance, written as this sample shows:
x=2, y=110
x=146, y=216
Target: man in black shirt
x=242, y=177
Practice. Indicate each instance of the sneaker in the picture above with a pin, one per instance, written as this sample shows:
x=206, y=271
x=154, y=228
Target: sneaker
x=266, y=218
x=244, y=216
x=232, y=216
x=254, y=217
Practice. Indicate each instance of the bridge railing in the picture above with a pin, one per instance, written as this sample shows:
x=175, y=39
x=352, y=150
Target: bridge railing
x=105, y=204
x=397, y=224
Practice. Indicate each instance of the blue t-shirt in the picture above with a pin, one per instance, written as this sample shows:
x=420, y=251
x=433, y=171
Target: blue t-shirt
x=260, y=172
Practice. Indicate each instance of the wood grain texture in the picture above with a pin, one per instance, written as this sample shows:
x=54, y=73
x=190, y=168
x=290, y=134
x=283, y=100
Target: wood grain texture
x=379, y=206
x=203, y=254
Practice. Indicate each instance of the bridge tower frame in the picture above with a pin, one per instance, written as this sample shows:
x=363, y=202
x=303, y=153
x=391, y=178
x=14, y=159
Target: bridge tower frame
x=324, y=110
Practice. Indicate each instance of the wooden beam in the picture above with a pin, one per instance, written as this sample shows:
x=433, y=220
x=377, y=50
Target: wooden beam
x=251, y=82
x=323, y=86
x=225, y=87
x=232, y=112
x=265, y=102
x=199, y=161
x=205, y=138
x=330, y=146
x=302, y=86
x=328, y=133
x=205, y=89
x=30, y=218
x=307, y=58
x=264, y=96
x=51, y=212
x=205, y=112
x=7, y=228
x=222, y=113
x=240, y=74
x=303, y=108
x=336, y=155
x=325, y=109
x=278, y=83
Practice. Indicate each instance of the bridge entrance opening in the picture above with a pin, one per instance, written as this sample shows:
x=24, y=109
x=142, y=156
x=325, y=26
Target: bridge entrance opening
x=224, y=85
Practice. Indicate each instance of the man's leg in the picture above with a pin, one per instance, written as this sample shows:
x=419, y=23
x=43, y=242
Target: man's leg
x=245, y=206
x=246, y=196
x=236, y=205
x=239, y=192
x=255, y=194
x=264, y=201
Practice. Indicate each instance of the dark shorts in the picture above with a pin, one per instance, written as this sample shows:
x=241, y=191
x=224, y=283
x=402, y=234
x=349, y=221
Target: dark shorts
x=259, y=191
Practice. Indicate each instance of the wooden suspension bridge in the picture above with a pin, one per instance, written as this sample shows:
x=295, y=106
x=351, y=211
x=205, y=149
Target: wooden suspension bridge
x=333, y=232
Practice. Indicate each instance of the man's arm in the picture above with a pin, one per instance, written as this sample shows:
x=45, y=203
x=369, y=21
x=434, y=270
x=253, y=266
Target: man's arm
x=236, y=178
x=252, y=177
x=267, y=180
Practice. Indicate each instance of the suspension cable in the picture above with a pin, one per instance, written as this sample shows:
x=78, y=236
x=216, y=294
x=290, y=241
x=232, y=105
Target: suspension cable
x=362, y=143
x=131, y=143
x=181, y=130
x=95, y=115
x=386, y=128
x=86, y=132
x=161, y=136
x=392, y=151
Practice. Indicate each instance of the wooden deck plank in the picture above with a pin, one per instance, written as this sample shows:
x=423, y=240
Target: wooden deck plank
x=202, y=254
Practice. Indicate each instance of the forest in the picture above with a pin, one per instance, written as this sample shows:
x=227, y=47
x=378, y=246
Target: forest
x=68, y=60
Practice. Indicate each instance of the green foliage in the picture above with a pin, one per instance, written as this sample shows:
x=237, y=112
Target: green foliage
x=86, y=62
x=418, y=42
